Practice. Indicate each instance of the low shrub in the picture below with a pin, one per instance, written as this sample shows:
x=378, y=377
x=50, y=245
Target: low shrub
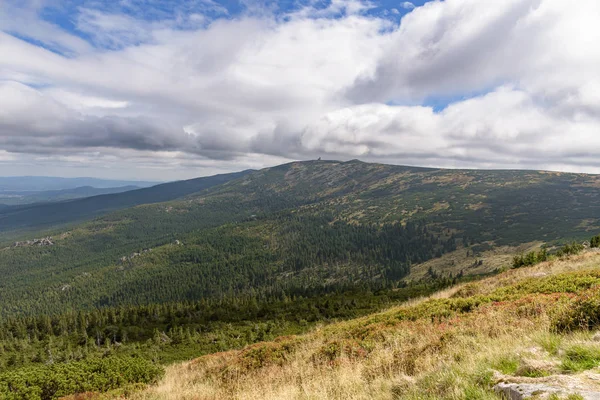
x=562, y=283
x=51, y=382
x=584, y=312
x=332, y=351
x=267, y=353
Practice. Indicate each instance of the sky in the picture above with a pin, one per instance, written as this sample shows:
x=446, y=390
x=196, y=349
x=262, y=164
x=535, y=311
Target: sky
x=164, y=90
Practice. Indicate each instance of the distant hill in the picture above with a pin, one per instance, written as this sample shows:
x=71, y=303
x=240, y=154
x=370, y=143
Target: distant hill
x=43, y=183
x=28, y=197
x=45, y=215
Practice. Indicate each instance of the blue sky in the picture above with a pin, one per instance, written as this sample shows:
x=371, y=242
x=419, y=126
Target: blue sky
x=66, y=13
x=175, y=89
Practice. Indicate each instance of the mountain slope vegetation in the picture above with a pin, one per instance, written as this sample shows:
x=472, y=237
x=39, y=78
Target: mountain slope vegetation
x=457, y=344
x=304, y=229
x=235, y=260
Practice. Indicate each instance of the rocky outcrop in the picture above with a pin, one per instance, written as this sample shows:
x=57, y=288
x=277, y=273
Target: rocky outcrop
x=584, y=385
x=133, y=255
x=522, y=391
x=47, y=241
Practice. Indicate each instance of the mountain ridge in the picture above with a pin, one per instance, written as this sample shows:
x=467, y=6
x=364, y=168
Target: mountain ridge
x=42, y=183
x=49, y=196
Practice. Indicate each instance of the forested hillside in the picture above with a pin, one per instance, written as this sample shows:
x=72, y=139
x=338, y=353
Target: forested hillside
x=303, y=228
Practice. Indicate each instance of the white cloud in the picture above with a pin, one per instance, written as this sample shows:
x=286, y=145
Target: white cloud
x=265, y=87
x=83, y=103
x=24, y=21
x=407, y=5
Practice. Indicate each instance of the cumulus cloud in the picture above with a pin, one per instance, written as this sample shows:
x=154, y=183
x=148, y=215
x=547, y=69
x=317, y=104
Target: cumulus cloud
x=517, y=79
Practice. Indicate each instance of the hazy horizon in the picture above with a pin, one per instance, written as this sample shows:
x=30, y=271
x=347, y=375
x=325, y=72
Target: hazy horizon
x=134, y=180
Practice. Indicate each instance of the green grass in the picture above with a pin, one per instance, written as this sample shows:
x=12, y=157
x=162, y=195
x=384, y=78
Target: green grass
x=579, y=358
x=551, y=342
x=508, y=364
x=554, y=396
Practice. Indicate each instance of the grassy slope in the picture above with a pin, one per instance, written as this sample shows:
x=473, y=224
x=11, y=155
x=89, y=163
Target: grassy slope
x=519, y=326
x=470, y=261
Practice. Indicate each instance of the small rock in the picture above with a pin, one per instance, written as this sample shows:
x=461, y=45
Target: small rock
x=592, y=376
x=596, y=337
x=522, y=391
x=530, y=367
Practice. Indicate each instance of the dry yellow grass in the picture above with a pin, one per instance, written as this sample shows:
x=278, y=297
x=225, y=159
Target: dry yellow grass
x=457, y=261
x=398, y=367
